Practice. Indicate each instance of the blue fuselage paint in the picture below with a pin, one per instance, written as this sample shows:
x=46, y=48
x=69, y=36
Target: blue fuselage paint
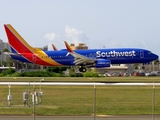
x=116, y=56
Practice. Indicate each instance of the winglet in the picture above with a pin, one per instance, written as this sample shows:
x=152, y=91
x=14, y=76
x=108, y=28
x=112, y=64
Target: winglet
x=54, y=48
x=68, y=47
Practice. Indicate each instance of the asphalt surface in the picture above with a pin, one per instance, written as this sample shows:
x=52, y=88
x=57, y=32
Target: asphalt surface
x=118, y=117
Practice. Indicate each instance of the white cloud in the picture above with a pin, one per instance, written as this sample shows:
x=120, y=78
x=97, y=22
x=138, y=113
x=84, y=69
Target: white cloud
x=74, y=35
x=51, y=36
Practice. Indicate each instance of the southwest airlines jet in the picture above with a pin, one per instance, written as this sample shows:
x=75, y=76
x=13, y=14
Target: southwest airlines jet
x=98, y=58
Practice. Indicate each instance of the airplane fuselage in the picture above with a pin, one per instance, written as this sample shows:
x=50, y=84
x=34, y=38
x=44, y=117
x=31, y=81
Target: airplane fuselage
x=116, y=56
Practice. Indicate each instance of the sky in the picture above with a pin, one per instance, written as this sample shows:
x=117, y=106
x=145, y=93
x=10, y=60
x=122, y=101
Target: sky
x=97, y=23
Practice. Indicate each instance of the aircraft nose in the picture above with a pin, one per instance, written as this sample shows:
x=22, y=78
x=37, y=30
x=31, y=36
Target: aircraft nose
x=156, y=56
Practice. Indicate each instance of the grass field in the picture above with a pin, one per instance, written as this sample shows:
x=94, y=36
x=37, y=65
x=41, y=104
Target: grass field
x=84, y=79
x=79, y=100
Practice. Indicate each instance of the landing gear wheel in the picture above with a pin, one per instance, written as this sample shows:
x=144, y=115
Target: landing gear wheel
x=143, y=67
x=82, y=69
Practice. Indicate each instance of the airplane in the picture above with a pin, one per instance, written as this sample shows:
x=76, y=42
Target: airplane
x=98, y=58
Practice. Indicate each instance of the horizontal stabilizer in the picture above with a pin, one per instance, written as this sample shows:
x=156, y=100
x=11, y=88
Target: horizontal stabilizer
x=14, y=54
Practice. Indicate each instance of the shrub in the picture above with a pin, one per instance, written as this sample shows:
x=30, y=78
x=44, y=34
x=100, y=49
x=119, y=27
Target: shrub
x=76, y=75
x=56, y=69
x=8, y=71
x=92, y=73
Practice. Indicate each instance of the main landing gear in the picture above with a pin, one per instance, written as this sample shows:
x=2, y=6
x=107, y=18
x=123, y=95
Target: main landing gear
x=82, y=69
x=143, y=67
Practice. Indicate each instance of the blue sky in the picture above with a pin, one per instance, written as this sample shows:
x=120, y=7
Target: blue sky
x=97, y=23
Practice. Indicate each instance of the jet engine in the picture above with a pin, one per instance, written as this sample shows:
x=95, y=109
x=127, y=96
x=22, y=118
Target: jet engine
x=102, y=63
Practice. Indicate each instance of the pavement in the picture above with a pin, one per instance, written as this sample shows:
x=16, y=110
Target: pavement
x=108, y=117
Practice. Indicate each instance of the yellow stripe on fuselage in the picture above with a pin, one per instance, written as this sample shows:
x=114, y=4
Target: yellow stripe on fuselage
x=43, y=56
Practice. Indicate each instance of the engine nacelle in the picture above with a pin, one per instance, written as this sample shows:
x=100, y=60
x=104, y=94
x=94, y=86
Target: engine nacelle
x=102, y=63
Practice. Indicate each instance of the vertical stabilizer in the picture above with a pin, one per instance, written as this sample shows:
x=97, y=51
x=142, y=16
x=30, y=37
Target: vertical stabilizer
x=16, y=42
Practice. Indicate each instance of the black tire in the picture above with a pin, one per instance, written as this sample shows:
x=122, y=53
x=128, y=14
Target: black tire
x=82, y=69
x=143, y=67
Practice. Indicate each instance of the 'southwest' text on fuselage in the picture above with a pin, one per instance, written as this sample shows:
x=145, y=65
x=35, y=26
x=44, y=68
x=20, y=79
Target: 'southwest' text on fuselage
x=116, y=54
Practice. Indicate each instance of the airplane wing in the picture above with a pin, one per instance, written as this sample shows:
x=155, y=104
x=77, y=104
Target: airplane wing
x=78, y=58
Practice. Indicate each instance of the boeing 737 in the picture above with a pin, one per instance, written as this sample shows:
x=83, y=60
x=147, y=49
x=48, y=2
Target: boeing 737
x=98, y=58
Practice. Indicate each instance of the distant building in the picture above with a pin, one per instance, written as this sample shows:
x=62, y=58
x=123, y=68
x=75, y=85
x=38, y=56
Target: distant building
x=73, y=47
x=4, y=45
x=80, y=46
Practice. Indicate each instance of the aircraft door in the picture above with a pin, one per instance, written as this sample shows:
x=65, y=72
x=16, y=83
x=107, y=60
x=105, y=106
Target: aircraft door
x=34, y=58
x=141, y=54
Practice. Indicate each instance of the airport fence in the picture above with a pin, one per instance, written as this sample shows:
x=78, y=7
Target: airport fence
x=79, y=100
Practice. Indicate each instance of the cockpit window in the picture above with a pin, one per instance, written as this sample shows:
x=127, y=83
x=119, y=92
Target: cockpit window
x=150, y=52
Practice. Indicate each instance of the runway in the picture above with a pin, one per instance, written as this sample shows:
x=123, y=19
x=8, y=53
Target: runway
x=110, y=117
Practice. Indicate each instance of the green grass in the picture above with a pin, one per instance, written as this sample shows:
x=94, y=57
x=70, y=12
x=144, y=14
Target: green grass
x=79, y=100
x=84, y=79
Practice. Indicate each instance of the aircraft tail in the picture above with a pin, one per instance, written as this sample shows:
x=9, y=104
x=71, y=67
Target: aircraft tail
x=22, y=51
x=17, y=43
